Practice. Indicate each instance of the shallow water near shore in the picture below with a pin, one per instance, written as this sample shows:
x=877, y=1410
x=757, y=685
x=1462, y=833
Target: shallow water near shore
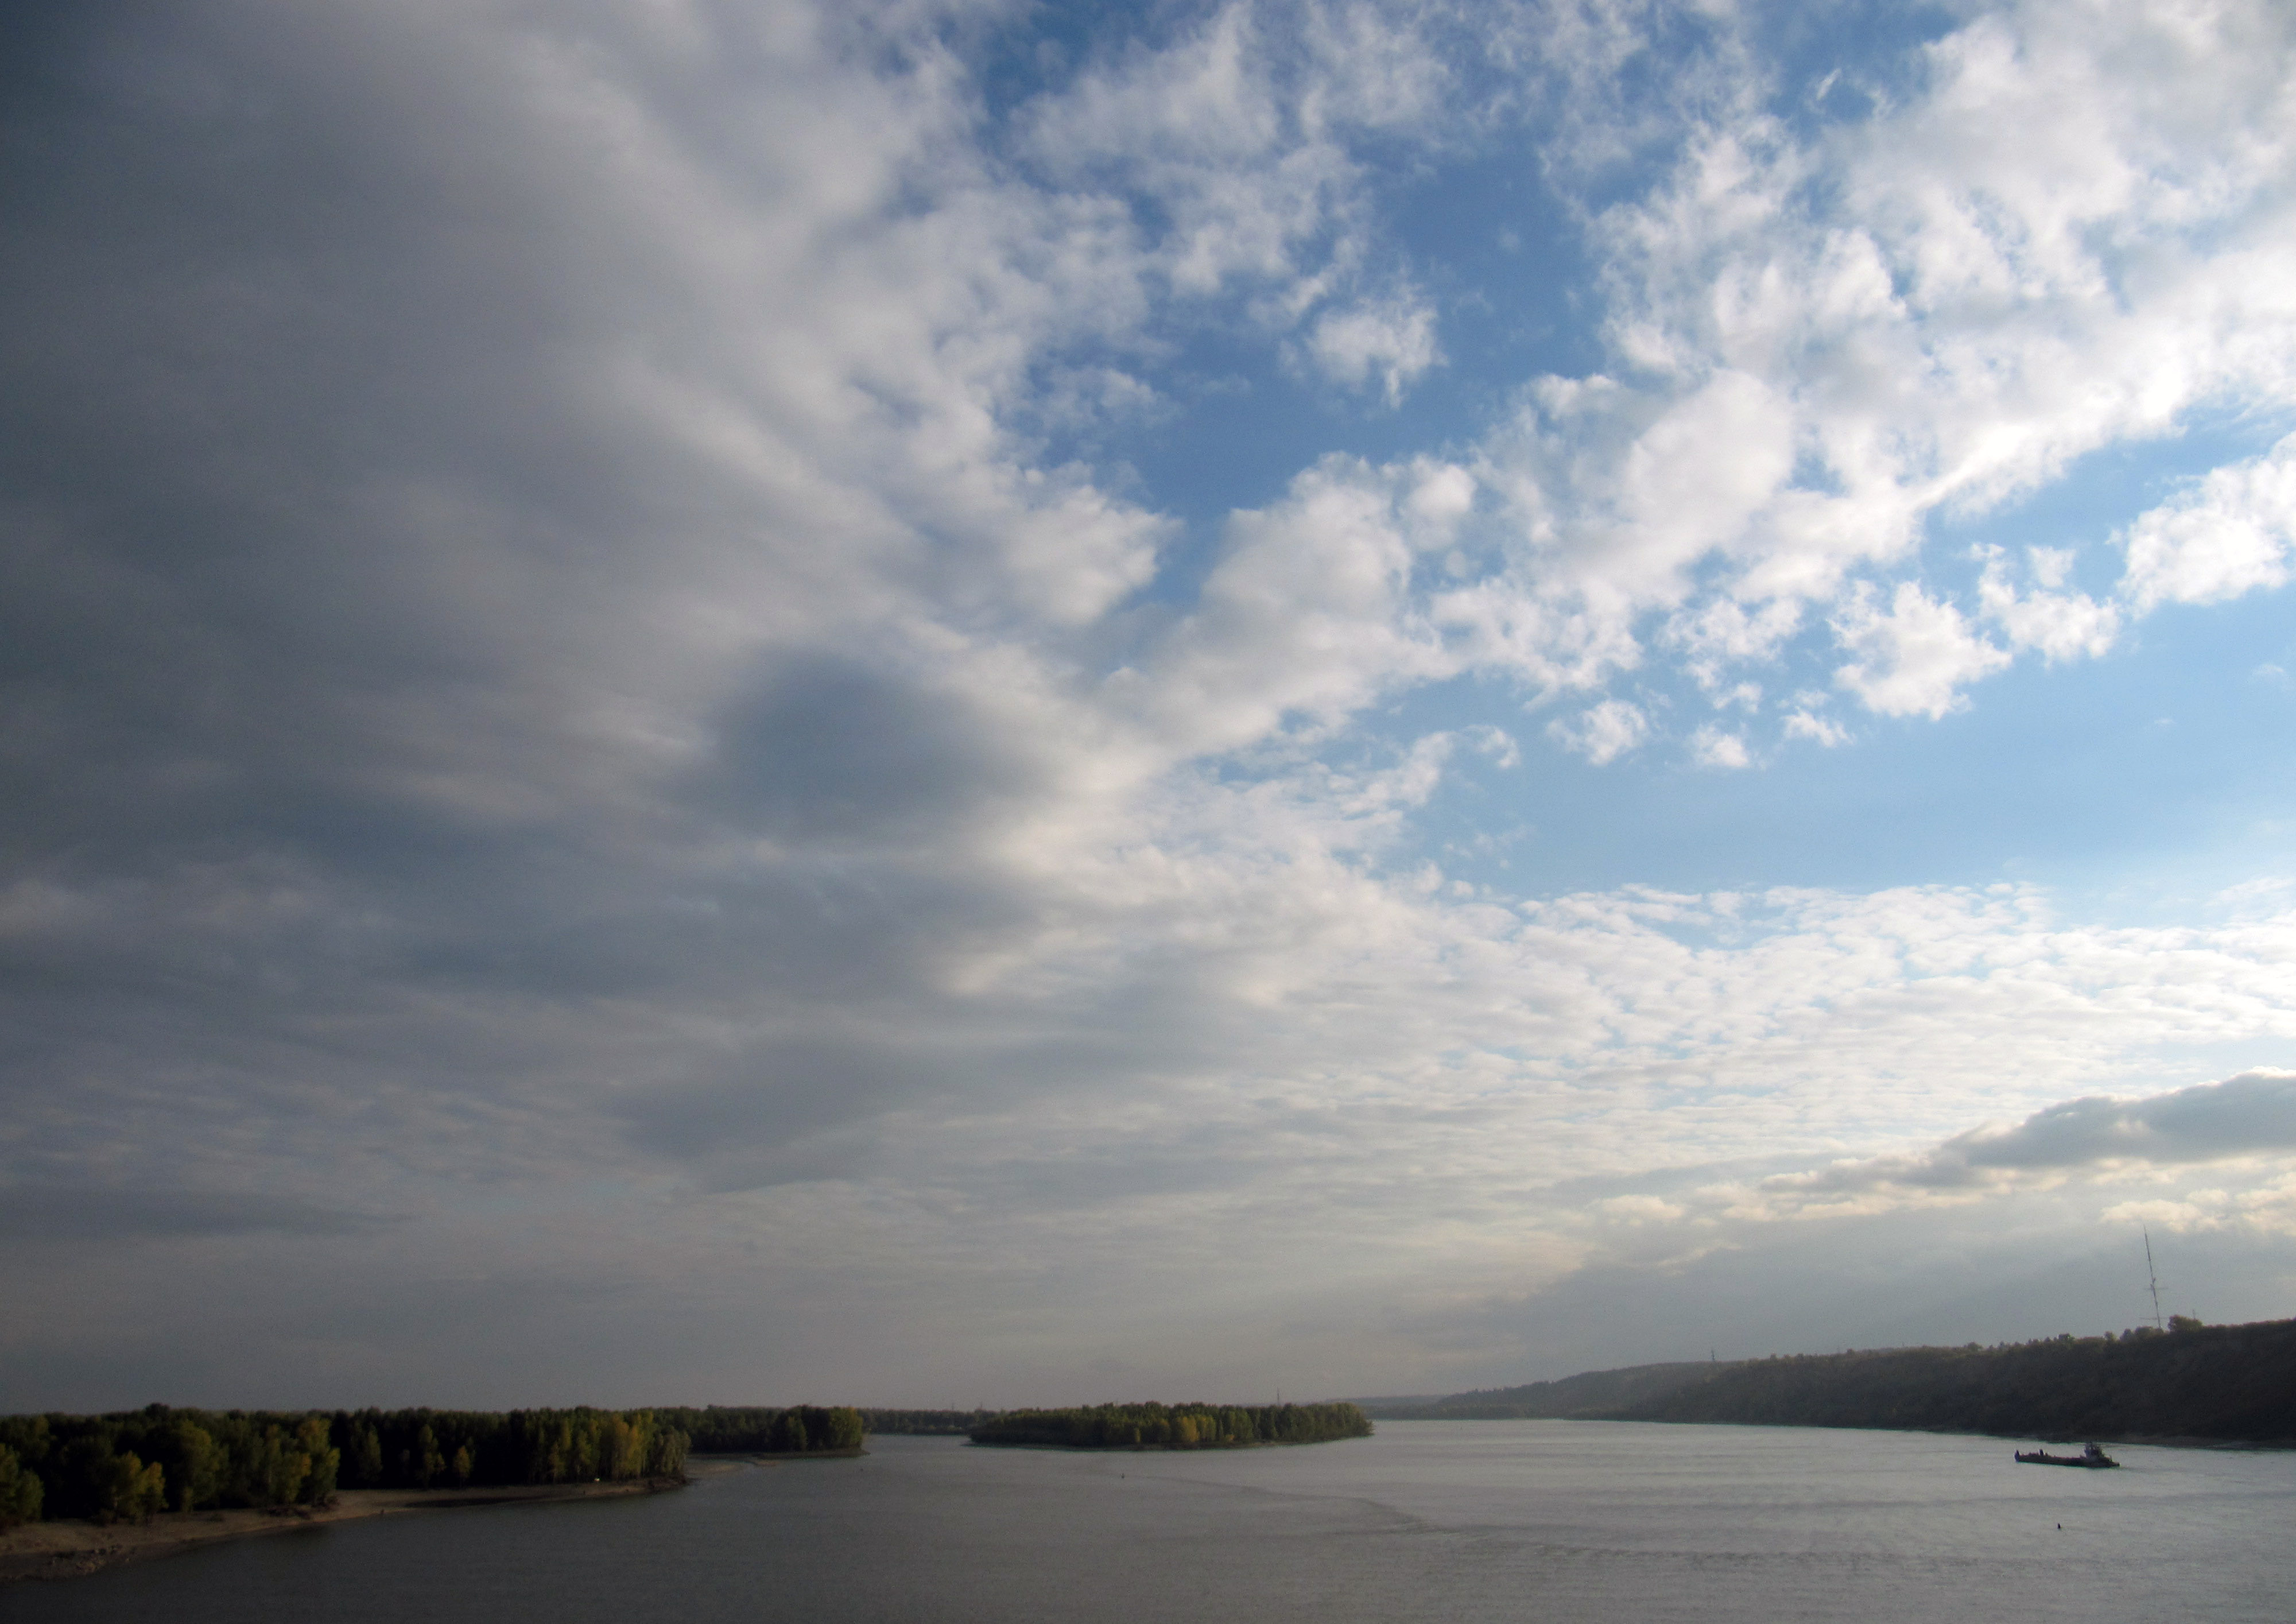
x=1451, y=1521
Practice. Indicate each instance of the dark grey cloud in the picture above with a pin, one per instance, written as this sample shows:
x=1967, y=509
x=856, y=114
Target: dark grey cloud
x=333, y=678
x=775, y=1093
x=2241, y=1115
x=241, y=326
x=830, y=750
x=33, y=1212
x=799, y=1104
x=2252, y=1113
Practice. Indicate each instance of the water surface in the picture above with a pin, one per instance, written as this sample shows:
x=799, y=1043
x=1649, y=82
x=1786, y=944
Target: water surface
x=1448, y=1521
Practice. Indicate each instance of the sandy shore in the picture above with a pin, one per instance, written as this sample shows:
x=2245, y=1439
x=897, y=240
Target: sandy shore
x=68, y=1549
x=697, y=1465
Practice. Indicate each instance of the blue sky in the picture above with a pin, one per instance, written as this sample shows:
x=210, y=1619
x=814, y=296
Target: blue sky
x=1000, y=703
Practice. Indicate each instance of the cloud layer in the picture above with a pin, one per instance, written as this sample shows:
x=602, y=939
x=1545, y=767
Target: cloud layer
x=613, y=691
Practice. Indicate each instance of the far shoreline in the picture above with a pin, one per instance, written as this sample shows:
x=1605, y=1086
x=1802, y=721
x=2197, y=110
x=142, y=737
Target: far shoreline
x=2143, y=1440
x=1257, y=1443
x=73, y=1548
x=723, y=1459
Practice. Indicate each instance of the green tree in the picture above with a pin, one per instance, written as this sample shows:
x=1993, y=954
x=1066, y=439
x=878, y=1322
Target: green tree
x=81, y=1477
x=19, y=1490
x=666, y=1457
x=322, y=1460
x=624, y=1450
x=364, y=1466
x=272, y=1467
x=842, y=1428
x=195, y=1464
x=131, y=1491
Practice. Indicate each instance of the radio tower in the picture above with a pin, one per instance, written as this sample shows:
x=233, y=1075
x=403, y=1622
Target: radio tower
x=2153, y=1279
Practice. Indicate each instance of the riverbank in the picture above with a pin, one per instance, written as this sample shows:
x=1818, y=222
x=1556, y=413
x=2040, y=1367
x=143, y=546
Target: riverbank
x=69, y=1549
x=727, y=1459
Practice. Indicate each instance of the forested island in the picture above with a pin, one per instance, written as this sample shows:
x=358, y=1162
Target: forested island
x=82, y=1492
x=1179, y=1426
x=133, y=1465
x=2201, y=1383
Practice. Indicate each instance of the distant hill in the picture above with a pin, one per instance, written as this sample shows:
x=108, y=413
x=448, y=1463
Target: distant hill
x=2232, y=1383
x=1591, y=1394
x=2224, y=1383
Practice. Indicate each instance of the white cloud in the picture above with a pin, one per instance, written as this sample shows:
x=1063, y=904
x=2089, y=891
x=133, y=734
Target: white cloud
x=1711, y=746
x=2058, y=625
x=1494, y=743
x=1824, y=341
x=1912, y=658
x=1309, y=614
x=1641, y=1209
x=1242, y=142
x=1723, y=633
x=1602, y=732
x=2234, y=532
x=1389, y=343
x=2269, y=1210
x=1806, y=723
x=1827, y=339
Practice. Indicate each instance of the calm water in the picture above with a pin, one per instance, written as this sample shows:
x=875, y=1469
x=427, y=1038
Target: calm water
x=1452, y=1521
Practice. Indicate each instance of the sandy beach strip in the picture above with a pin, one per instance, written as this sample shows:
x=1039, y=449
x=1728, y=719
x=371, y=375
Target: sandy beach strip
x=68, y=1549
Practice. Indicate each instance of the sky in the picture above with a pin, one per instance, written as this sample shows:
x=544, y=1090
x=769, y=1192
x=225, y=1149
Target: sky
x=941, y=703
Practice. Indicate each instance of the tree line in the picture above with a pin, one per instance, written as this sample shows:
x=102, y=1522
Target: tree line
x=131, y=1464
x=2230, y=1383
x=804, y=1429
x=1179, y=1426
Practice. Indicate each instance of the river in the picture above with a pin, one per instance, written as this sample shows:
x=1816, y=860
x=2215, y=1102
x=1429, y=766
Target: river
x=1546, y=1521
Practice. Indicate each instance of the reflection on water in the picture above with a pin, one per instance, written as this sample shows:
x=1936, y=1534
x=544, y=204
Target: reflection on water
x=1452, y=1521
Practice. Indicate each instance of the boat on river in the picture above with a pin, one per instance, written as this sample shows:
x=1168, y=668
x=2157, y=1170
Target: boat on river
x=2093, y=1456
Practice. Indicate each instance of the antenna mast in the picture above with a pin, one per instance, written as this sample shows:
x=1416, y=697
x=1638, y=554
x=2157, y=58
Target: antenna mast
x=2153, y=1279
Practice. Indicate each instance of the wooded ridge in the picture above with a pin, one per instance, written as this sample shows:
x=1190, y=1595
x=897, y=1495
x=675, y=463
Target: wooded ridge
x=1590, y=1393
x=2219, y=1384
